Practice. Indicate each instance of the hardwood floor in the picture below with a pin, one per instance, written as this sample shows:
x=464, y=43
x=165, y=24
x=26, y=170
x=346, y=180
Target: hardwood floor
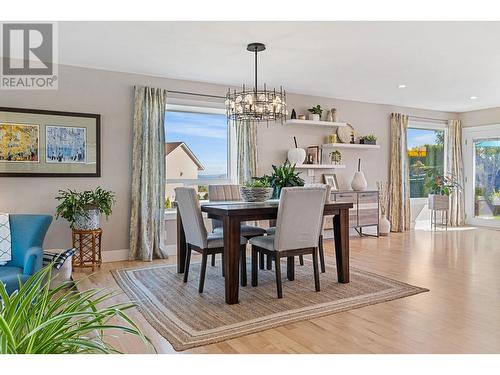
x=460, y=314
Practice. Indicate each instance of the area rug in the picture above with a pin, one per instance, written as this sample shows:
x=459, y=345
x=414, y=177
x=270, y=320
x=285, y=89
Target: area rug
x=188, y=319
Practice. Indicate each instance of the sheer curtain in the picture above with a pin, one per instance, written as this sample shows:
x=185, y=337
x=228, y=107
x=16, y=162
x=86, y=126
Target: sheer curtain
x=399, y=184
x=455, y=168
x=148, y=174
x=246, y=140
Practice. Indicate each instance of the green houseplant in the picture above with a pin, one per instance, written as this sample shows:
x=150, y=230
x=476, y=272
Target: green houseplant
x=282, y=176
x=37, y=320
x=440, y=187
x=316, y=113
x=83, y=209
x=368, y=140
x=258, y=190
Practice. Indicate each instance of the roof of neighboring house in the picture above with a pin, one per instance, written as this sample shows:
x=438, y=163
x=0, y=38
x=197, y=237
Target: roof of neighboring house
x=171, y=146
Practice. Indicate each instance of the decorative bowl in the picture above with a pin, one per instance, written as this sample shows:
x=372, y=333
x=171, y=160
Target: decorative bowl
x=255, y=194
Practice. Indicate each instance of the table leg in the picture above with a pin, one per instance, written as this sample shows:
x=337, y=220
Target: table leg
x=290, y=268
x=181, y=245
x=341, y=233
x=231, y=258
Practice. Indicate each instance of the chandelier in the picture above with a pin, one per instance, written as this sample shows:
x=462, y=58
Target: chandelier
x=255, y=104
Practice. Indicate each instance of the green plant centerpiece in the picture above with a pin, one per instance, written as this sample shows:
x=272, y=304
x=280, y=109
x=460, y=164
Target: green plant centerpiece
x=257, y=190
x=64, y=320
x=368, y=140
x=83, y=209
x=315, y=112
x=282, y=176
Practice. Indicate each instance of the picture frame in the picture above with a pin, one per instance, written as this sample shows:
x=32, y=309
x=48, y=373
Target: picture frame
x=331, y=179
x=44, y=143
x=313, y=155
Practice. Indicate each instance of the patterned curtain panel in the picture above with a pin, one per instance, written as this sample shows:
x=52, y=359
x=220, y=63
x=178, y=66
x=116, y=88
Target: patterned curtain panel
x=399, y=180
x=148, y=174
x=246, y=139
x=455, y=168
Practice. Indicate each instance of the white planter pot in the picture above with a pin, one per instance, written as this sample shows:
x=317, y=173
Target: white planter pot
x=88, y=223
x=439, y=202
x=296, y=155
x=358, y=182
x=384, y=226
x=313, y=117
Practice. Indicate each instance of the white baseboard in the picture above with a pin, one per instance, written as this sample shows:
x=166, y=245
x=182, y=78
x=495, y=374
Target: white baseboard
x=122, y=254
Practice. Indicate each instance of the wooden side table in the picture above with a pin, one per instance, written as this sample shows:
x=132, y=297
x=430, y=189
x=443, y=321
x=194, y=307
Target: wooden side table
x=88, y=244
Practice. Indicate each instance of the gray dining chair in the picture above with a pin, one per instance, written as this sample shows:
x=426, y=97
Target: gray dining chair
x=298, y=226
x=272, y=230
x=198, y=239
x=224, y=193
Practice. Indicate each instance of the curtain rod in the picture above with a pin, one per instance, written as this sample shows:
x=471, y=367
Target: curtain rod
x=430, y=119
x=197, y=94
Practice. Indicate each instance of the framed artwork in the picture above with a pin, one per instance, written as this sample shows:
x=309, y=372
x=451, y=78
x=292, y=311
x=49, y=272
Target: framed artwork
x=313, y=155
x=331, y=179
x=40, y=143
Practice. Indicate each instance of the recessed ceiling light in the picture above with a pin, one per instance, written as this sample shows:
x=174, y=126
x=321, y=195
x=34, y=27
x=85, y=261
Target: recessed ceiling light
x=473, y=98
x=401, y=86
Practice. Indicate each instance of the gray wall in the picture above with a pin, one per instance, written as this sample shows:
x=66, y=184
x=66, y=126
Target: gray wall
x=482, y=117
x=111, y=95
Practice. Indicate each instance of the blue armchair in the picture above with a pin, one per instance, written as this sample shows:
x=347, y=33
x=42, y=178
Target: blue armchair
x=27, y=234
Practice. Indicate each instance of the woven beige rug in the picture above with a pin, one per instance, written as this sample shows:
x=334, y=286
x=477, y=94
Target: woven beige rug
x=188, y=319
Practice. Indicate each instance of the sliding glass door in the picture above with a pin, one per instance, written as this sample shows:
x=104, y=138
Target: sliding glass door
x=482, y=172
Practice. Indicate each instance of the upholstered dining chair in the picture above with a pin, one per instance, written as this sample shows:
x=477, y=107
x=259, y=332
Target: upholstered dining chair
x=299, y=223
x=198, y=239
x=225, y=193
x=272, y=230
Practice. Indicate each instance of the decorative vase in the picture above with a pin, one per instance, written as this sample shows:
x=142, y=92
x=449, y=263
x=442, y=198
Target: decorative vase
x=384, y=226
x=438, y=202
x=254, y=194
x=296, y=155
x=313, y=117
x=294, y=115
x=358, y=182
x=329, y=116
x=88, y=222
x=333, y=111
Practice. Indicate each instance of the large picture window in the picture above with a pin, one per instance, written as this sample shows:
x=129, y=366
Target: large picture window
x=426, y=155
x=198, y=149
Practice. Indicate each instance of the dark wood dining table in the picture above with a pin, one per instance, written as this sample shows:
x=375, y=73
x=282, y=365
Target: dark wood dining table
x=233, y=213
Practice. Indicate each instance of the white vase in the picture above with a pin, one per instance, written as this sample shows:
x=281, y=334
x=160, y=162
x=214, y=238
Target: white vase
x=313, y=117
x=384, y=226
x=358, y=182
x=90, y=221
x=296, y=155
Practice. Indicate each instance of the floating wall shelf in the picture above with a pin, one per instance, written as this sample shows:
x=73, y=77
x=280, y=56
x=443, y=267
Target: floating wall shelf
x=320, y=166
x=315, y=123
x=349, y=145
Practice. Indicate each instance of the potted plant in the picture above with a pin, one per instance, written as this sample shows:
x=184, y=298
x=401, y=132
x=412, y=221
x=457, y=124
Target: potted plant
x=335, y=157
x=368, y=140
x=282, y=176
x=439, y=187
x=258, y=190
x=39, y=320
x=315, y=113
x=83, y=209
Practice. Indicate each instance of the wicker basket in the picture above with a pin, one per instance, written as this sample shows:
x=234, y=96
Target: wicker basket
x=254, y=194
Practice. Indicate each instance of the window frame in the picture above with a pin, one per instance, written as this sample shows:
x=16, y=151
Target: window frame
x=436, y=126
x=231, y=144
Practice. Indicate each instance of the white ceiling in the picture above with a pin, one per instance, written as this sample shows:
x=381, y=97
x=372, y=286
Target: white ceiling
x=443, y=64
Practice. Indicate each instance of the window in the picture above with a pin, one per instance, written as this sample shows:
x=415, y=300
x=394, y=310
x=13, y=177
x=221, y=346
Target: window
x=426, y=153
x=198, y=149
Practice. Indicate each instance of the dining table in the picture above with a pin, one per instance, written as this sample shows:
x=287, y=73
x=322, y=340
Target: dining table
x=232, y=214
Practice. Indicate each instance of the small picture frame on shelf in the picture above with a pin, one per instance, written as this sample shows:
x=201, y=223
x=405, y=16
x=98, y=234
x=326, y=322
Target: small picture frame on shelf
x=313, y=155
x=331, y=179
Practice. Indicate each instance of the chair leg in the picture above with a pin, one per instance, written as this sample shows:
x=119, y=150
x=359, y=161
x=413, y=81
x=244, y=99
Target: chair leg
x=186, y=267
x=277, y=267
x=269, y=262
x=213, y=260
x=222, y=262
x=203, y=271
x=315, y=268
x=301, y=260
x=243, y=265
x=321, y=254
x=261, y=260
x=254, y=266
